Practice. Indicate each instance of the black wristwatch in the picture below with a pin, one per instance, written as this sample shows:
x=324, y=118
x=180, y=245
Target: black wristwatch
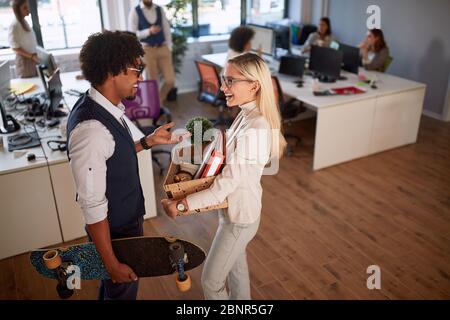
x=144, y=143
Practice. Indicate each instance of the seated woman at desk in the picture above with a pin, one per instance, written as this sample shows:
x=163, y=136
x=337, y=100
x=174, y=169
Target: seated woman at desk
x=374, y=51
x=322, y=37
x=23, y=41
x=240, y=41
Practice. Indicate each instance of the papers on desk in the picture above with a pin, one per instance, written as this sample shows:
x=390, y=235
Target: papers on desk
x=347, y=90
x=22, y=87
x=339, y=91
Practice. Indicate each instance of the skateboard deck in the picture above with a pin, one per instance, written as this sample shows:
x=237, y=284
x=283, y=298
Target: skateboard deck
x=147, y=256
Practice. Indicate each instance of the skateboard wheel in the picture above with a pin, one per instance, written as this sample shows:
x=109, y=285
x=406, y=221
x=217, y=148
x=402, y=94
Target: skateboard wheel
x=64, y=292
x=184, y=285
x=171, y=239
x=52, y=259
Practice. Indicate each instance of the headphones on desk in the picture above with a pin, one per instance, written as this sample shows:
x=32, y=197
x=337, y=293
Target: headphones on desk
x=57, y=145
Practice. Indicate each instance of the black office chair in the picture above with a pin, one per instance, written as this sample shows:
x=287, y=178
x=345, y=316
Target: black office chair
x=289, y=110
x=209, y=92
x=305, y=31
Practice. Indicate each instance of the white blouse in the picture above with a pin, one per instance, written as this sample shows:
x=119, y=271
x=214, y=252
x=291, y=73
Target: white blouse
x=240, y=179
x=18, y=37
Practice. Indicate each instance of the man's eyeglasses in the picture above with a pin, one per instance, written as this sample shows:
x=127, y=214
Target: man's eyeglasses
x=230, y=81
x=138, y=70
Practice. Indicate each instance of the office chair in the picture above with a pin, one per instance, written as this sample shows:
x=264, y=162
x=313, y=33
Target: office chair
x=146, y=105
x=305, y=31
x=289, y=111
x=209, y=91
x=387, y=63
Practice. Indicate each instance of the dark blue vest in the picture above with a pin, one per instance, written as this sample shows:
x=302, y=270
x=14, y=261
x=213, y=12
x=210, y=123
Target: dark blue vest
x=154, y=39
x=123, y=186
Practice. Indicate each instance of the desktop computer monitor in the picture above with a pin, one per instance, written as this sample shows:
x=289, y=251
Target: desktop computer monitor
x=292, y=65
x=55, y=96
x=351, y=58
x=7, y=123
x=5, y=80
x=41, y=73
x=47, y=61
x=263, y=38
x=282, y=36
x=325, y=63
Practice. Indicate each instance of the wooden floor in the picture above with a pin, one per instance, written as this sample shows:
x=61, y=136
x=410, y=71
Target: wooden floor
x=320, y=230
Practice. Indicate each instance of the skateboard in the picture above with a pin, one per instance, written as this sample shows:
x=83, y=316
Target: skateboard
x=147, y=256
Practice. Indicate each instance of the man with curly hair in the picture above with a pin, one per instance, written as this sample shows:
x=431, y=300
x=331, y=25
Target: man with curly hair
x=103, y=155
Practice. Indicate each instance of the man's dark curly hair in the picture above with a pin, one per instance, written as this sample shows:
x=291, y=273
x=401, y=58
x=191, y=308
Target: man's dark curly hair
x=240, y=37
x=107, y=53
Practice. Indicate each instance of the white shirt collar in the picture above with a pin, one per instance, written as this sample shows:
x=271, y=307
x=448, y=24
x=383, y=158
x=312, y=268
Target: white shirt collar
x=248, y=107
x=117, y=111
x=143, y=7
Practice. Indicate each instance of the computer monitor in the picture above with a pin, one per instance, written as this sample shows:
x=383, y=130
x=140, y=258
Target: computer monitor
x=263, y=38
x=5, y=80
x=351, y=58
x=292, y=66
x=40, y=71
x=282, y=36
x=55, y=96
x=7, y=123
x=47, y=60
x=325, y=63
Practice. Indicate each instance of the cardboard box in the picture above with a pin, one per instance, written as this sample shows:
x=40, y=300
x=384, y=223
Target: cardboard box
x=180, y=190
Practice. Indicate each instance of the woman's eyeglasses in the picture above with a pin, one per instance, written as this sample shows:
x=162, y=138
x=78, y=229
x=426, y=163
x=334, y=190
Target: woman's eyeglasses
x=230, y=81
x=138, y=70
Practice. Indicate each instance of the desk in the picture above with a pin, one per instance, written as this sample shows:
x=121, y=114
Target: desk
x=353, y=126
x=37, y=201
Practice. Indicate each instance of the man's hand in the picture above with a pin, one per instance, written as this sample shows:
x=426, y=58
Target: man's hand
x=162, y=135
x=154, y=29
x=120, y=273
x=170, y=207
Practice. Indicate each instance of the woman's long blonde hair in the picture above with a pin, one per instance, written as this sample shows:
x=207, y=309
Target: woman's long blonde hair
x=254, y=68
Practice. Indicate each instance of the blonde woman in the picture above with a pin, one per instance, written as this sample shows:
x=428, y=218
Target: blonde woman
x=23, y=41
x=247, y=84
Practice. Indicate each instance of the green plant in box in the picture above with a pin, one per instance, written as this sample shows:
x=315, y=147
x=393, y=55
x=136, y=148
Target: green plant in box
x=197, y=127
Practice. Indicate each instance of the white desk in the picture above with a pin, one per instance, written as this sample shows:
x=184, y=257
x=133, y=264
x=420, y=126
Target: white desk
x=38, y=209
x=353, y=126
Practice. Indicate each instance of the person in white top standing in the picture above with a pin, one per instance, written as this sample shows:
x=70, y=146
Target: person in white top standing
x=23, y=41
x=149, y=22
x=247, y=84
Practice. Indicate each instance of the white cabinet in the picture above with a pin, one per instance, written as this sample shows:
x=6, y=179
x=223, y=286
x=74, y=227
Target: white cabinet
x=396, y=120
x=28, y=217
x=70, y=215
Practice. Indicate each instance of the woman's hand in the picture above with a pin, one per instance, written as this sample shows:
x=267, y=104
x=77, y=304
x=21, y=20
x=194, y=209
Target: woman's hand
x=170, y=207
x=34, y=58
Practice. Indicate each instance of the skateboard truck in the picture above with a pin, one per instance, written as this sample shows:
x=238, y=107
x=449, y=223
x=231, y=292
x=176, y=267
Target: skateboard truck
x=53, y=261
x=178, y=258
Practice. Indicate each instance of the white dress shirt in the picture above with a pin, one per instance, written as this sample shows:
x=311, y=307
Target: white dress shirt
x=240, y=179
x=90, y=145
x=150, y=15
x=18, y=37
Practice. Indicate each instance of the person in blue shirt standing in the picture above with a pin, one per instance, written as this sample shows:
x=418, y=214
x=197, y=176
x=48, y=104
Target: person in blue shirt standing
x=151, y=26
